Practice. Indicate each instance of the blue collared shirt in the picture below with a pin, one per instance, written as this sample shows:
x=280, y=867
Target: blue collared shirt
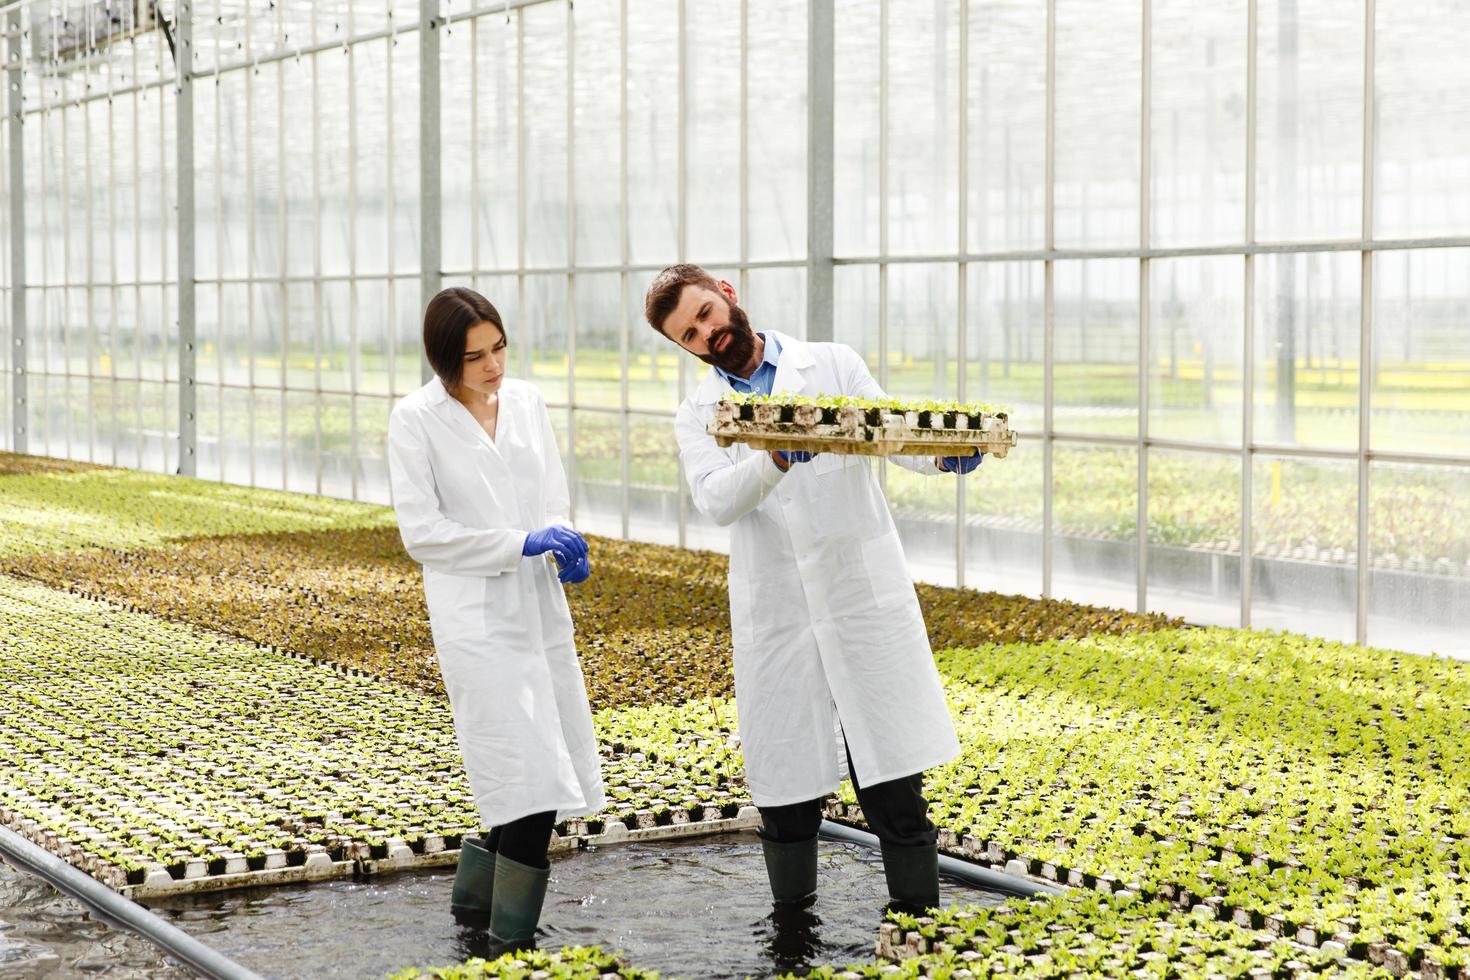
x=764, y=378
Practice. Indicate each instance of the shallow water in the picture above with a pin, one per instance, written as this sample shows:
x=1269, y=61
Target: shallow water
x=687, y=908
x=43, y=933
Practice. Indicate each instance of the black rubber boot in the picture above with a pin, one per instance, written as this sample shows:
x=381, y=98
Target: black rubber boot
x=474, y=883
x=792, y=870
x=516, y=905
x=913, y=877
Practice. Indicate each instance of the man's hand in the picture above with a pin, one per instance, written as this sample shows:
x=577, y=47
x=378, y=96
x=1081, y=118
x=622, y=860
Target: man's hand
x=960, y=464
x=784, y=459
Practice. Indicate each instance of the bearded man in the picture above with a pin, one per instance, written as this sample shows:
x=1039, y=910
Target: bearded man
x=832, y=659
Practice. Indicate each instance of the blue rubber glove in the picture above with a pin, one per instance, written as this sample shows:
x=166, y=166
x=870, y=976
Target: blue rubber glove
x=564, y=544
x=578, y=571
x=961, y=464
x=794, y=456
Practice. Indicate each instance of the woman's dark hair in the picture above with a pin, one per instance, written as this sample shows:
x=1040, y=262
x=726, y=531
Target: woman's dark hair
x=450, y=315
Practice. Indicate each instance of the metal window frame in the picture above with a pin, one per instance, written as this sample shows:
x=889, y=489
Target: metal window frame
x=16, y=351
x=61, y=105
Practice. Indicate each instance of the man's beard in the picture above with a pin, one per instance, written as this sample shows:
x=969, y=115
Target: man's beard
x=735, y=357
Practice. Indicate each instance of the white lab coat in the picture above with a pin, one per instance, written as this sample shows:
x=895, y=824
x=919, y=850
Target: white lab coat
x=501, y=626
x=826, y=623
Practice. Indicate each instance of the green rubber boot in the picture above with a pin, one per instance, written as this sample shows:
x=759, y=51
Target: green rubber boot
x=913, y=876
x=792, y=870
x=516, y=906
x=474, y=880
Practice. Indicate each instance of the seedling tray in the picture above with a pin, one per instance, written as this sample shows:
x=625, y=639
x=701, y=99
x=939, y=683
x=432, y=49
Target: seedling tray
x=851, y=430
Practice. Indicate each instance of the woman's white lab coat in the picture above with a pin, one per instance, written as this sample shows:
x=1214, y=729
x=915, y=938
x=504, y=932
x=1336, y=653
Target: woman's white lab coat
x=501, y=626
x=826, y=624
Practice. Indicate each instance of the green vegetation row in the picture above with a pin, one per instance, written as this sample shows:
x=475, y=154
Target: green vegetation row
x=59, y=506
x=330, y=578
x=1077, y=934
x=1089, y=934
x=130, y=743
x=653, y=622
x=573, y=963
x=1315, y=789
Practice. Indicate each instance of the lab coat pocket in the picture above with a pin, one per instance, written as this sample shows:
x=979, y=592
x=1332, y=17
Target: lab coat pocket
x=888, y=573
x=456, y=605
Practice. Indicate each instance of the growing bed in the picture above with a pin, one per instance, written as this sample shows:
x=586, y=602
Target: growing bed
x=1224, y=800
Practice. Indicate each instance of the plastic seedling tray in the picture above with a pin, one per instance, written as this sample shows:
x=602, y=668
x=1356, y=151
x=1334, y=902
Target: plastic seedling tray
x=851, y=430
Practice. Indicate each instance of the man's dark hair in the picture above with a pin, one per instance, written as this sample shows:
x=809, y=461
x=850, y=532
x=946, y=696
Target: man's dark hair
x=449, y=317
x=663, y=295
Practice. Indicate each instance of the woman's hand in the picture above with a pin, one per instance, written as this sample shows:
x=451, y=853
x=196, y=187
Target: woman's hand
x=578, y=571
x=566, y=545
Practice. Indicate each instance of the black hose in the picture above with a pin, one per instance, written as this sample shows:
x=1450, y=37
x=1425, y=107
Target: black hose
x=970, y=874
x=115, y=910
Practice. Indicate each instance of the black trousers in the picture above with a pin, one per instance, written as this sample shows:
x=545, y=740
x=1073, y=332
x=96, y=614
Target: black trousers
x=525, y=840
x=896, y=811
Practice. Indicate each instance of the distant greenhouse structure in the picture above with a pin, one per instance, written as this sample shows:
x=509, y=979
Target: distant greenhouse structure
x=1213, y=254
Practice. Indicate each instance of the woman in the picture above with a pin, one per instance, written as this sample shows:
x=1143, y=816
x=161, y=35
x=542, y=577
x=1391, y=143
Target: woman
x=481, y=500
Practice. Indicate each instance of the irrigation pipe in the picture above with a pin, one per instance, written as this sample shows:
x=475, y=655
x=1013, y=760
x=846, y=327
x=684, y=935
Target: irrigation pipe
x=970, y=874
x=115, y=910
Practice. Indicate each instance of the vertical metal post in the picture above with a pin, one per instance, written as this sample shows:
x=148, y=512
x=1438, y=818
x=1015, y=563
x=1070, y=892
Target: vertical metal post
x=1145, y=273
x=248, y=145
x=15, y=135
x=113, y=421
x=625, y=324
x=1248, y=364
x=317, y=299
x=744, y=183
x=962, y=284
x=1049, y=306
x=570, y=283
x=353, y=148
x=390, y=223
x=883, y=216
x=431, y=245
x=682, y=224
x=283, y=264
x=1365, y=357
x=820, y=168
x=1288, y=136
x=217, y=286
x=521, y=222
x=89, y=235
x=883, y=205
x=184, y=177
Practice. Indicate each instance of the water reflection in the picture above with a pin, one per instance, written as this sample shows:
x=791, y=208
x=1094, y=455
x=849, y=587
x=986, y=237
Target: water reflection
x=791, y=938
x=687, y=908
x=43, y=933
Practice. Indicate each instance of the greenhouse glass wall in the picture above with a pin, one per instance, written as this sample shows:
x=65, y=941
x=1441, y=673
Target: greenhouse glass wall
x=1213, y=254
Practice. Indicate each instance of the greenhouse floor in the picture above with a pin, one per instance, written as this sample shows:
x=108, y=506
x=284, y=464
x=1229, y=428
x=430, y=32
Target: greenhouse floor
x=207, y=685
